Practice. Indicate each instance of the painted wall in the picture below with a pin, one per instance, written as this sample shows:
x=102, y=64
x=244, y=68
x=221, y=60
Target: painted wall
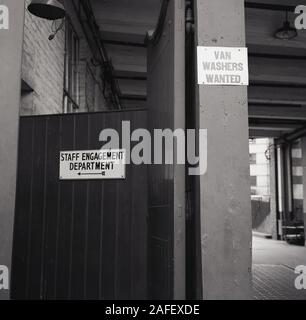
x=10, y=57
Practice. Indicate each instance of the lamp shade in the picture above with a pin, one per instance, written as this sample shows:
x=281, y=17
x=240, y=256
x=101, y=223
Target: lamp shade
x=286, y=32
x=47, y=9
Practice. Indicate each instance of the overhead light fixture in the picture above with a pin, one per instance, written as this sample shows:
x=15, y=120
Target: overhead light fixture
x=47, y=9
x=286, y=32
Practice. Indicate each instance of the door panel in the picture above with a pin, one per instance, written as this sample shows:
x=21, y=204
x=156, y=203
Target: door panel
x=166, y=100
x=77, y=239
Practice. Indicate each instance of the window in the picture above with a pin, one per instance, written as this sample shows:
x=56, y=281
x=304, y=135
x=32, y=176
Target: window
x=71, y=74
x=253, y=158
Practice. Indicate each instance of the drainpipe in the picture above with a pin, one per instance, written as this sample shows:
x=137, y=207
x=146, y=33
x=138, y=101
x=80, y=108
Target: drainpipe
x=284, y=185
x=194, y=287
x=280, y=189
x=89, y=23
x=288, y=179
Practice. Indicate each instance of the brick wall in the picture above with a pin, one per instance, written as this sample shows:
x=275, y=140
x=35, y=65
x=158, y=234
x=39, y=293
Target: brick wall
x=43, y=69
x=91, y=86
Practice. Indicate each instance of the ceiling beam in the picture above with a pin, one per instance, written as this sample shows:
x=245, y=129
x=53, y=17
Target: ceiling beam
x=131, y=97
x=134, y=104
x=268, y=112
x=133, y=87
x=276, y=71
x=269, y=6
x=125, y=43
x=128, y=59
x=275, y=127
x=257, y=133
x=276, y=56
x=274, y=95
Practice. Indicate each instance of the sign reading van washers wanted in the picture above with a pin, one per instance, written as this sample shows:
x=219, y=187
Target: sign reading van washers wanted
x=225, y=66
x=92, y=165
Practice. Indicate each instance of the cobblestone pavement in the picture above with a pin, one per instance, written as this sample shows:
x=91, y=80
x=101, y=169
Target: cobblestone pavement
x=275, y=282
x=274, y=263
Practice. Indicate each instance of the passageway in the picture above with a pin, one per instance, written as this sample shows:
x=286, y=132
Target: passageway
x=274, y=263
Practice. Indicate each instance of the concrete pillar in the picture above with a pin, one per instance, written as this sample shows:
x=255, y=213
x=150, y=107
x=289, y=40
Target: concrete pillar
x=226, y=228
x=10, y=79
x=303, y=142
x=288, y=179
x=273, y=193
x=281, y=189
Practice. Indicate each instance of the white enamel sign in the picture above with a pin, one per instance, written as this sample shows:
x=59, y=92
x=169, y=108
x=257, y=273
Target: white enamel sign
x=92, y=165
x=224, y=66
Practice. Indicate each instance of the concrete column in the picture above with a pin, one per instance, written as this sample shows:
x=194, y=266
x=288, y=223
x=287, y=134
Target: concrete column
x=10, y=79
x=273, y=193
x=280, y=189
x=226, y=228
x=303, y=142
x=288, y=179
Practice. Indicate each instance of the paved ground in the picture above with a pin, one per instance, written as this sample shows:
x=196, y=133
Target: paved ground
x=274, y=263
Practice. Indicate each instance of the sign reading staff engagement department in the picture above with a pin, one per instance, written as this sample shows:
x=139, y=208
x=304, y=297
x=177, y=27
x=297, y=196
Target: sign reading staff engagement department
x=92, y=164
x=223, y=66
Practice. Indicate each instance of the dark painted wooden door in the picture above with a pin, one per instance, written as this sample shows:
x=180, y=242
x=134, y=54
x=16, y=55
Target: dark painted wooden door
x=77, y=239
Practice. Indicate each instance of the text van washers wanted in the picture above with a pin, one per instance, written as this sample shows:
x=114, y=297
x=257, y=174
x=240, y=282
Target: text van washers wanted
x=223, y=66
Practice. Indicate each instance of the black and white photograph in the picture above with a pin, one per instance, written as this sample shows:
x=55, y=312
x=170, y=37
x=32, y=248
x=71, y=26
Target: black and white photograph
x=152, y=153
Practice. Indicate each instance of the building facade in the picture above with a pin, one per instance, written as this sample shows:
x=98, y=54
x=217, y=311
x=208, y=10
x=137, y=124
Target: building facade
x=264, y=208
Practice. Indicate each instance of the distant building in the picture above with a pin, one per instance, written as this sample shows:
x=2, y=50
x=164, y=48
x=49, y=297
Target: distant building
x=260, y=167
x=263, y=181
